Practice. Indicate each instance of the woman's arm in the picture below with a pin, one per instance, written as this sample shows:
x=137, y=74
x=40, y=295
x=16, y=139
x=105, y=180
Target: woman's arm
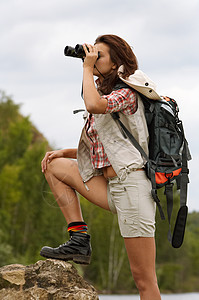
x=93, y=102
x=70, y=153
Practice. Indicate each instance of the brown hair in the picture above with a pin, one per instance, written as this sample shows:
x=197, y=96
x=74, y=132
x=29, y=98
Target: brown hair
x=121, y=54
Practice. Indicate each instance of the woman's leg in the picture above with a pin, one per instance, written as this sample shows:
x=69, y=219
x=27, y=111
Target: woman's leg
x=141, y=254
x=64, y=179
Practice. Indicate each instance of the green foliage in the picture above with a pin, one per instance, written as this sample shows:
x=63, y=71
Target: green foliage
x=5, y=250
x=30, y=218
x=26, y=220
x=168, y=276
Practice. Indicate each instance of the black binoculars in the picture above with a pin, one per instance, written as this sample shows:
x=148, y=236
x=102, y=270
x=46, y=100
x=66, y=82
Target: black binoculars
x=77, y=52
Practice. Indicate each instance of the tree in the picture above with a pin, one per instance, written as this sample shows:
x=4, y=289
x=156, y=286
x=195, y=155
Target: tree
x=26, y=219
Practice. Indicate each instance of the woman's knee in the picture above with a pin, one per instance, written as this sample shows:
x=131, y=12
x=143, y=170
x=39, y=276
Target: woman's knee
x=64, y=170
x=57, y=165
x=144, y=279
x=53, y=169
x=139, y=280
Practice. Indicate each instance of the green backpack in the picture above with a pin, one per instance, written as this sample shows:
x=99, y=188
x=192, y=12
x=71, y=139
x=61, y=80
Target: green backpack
x=168, y=157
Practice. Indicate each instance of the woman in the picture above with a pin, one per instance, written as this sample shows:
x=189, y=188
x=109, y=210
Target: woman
x=109, y=171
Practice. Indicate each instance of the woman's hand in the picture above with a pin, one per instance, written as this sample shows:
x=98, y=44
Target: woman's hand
x=67, y=153
x=91, y=56
x=49, y=156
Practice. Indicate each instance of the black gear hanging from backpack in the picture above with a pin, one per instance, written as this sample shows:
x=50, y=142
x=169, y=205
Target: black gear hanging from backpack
x=168, y=157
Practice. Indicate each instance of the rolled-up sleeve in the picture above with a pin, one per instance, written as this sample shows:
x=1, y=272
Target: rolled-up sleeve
x=121, y=100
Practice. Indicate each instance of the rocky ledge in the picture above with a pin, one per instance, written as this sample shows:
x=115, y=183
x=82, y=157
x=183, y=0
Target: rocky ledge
x=45, y=280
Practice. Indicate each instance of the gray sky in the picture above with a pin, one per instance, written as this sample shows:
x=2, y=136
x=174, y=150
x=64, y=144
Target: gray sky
x=34, y=71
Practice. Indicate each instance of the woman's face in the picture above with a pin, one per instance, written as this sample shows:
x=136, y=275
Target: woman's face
x=104, y=64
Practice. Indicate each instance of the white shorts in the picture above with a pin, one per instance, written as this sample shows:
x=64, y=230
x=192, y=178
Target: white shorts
x=132, y=201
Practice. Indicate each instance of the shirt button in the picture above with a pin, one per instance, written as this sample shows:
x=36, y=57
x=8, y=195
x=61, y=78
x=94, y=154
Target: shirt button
x=146, y=83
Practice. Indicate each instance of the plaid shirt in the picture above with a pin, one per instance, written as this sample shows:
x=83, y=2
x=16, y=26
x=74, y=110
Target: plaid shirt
x=120, y=100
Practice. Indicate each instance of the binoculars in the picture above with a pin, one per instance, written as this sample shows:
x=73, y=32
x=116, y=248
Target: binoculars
x=77, y=52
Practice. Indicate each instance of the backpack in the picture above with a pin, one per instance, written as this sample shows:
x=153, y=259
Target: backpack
x=168, y=156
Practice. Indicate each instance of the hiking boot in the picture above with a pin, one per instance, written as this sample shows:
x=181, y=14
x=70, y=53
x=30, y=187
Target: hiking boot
x=78, y=249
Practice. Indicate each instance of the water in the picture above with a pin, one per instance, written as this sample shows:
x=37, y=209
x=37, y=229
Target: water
x=190, y=296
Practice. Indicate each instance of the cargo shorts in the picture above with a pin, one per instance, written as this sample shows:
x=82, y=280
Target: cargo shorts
x=130, y=198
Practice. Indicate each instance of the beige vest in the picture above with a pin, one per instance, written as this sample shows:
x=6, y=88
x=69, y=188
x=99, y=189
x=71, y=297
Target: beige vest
x=121, y=153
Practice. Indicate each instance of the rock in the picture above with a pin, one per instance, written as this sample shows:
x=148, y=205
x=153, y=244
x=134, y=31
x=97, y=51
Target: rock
x=45, y=280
